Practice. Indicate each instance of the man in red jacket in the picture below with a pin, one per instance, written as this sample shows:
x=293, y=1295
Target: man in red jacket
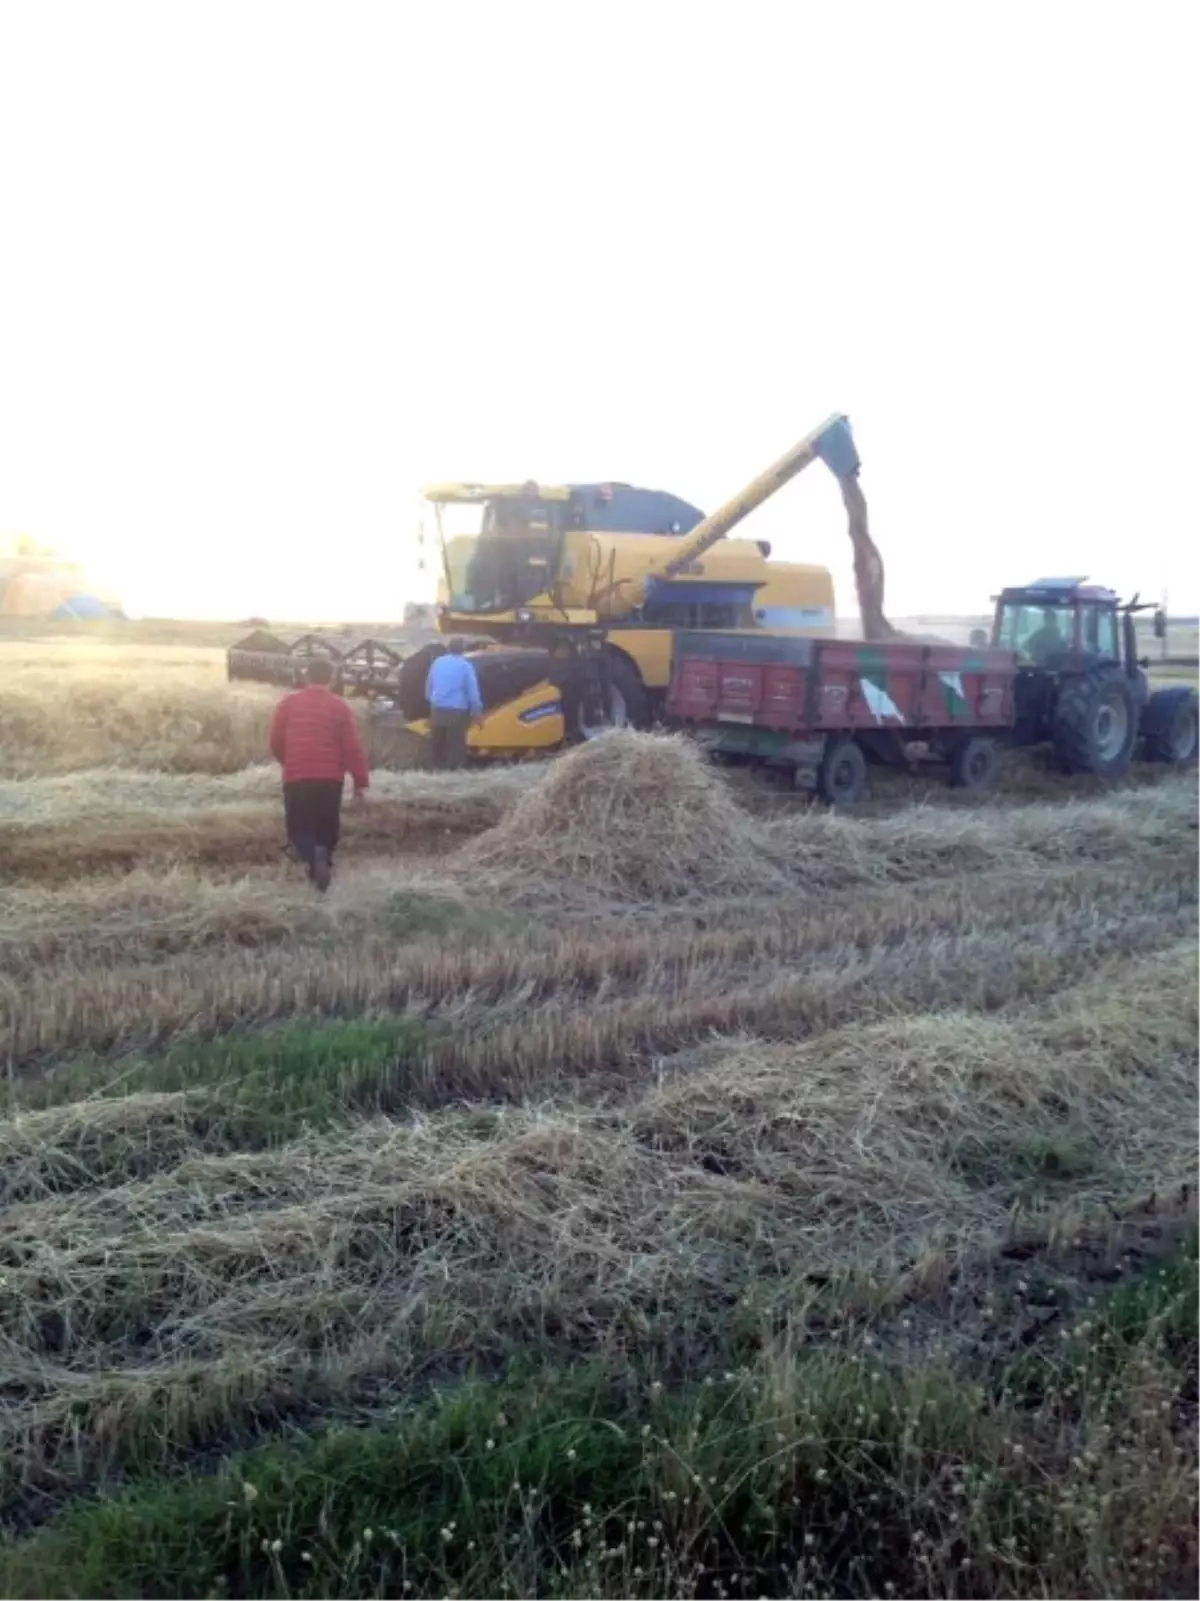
x=315, y=740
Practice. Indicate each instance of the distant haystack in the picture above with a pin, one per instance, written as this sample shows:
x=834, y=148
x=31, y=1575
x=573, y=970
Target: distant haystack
x=37, y=582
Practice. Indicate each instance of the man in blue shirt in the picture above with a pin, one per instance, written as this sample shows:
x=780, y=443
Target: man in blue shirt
x=452, y=690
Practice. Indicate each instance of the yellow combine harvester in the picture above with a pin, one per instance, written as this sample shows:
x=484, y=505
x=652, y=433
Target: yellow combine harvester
x=570, y=597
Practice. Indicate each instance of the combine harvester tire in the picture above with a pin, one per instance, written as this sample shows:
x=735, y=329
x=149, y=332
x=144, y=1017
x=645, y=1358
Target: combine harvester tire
x=628, y=703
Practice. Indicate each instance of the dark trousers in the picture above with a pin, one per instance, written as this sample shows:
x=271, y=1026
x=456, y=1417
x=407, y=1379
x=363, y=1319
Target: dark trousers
x=312, y=811
x=448, y=745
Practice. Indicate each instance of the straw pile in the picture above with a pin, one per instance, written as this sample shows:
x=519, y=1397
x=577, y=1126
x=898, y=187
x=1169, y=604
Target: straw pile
x=626, y=817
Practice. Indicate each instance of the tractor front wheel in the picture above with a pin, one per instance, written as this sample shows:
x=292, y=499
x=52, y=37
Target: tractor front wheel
x=1095, y=723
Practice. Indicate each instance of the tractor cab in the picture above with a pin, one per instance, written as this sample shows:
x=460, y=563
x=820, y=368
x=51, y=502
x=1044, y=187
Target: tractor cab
x=1080, y=682
x=1064, y=624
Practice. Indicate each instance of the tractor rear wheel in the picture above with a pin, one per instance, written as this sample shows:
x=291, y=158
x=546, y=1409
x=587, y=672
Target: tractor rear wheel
x=1095, y=723
x=842, y=777
x=975, y=762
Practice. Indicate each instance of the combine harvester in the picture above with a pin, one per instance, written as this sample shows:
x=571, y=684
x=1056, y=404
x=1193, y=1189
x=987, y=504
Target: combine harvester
x=602, y=606
x=577, y=593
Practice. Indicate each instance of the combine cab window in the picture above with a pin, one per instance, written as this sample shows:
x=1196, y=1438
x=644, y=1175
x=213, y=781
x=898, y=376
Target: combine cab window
x=499, y=554
x=1036, y=633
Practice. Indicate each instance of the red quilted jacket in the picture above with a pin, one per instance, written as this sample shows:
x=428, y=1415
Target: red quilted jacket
x=314, y=735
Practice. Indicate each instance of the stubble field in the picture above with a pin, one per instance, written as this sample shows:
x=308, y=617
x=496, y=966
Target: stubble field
x=626, y=1181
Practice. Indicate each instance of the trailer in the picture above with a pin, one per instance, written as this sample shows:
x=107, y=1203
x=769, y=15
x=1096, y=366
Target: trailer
x=828, y=708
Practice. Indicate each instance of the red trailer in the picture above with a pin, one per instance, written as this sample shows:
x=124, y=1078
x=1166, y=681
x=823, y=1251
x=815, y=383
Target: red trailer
x=826, y=707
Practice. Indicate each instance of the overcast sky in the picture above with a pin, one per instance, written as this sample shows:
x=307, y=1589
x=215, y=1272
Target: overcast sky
x=265, y=269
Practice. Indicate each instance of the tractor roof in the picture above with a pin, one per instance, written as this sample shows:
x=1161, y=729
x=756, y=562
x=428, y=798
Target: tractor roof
x=1059, y=592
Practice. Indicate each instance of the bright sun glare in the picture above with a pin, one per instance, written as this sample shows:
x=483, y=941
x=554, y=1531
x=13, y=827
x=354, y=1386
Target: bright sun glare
x=268, y=270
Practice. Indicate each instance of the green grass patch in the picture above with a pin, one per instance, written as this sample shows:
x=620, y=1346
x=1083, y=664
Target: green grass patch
x=260, y=1088
x=813, y=1474
x=412, y=914
x=1030, y=1163
x=1154, y=1311
x=1162, y=1298
x=570, y=1484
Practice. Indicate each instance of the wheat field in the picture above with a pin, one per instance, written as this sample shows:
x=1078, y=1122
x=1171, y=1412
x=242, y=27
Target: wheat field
x=627, y=1181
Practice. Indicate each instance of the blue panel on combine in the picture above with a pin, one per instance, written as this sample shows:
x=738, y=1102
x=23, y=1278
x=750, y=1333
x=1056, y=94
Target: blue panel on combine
x=678, y=592
x=536, y=714
x=625, y=509
x=838, y=451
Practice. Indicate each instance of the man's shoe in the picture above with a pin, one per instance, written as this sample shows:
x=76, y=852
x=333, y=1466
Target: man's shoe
x=321, y=869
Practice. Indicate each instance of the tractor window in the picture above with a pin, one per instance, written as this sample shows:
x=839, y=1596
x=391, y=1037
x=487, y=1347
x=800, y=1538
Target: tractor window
x=1036, y=633
x=1100, y=633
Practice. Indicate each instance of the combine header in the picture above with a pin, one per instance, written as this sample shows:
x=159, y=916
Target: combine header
x=367, y=666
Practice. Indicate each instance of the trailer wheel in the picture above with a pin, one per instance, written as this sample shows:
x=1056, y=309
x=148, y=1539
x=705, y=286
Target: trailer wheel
x=842, y=778
x=1095, y=723
x=975, y=762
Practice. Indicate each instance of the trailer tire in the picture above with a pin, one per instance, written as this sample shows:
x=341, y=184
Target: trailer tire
x=1095, y=723
x=842, y=776
x=1169, y=726
x=975, y=762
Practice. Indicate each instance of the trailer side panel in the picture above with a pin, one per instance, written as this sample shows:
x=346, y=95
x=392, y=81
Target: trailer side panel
x=799, y=686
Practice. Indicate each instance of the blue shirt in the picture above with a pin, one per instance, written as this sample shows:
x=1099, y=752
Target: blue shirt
x=452, y=685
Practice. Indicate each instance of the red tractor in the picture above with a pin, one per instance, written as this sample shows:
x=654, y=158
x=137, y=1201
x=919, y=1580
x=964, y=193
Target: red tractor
x=1080, y=685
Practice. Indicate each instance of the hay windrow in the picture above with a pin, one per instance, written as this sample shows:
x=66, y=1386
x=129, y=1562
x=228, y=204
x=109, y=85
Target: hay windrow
x=622, y=1057
x=641, y=818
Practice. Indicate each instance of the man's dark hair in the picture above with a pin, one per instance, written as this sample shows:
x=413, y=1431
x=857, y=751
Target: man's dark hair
x=320, y=671
x=457, y=646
